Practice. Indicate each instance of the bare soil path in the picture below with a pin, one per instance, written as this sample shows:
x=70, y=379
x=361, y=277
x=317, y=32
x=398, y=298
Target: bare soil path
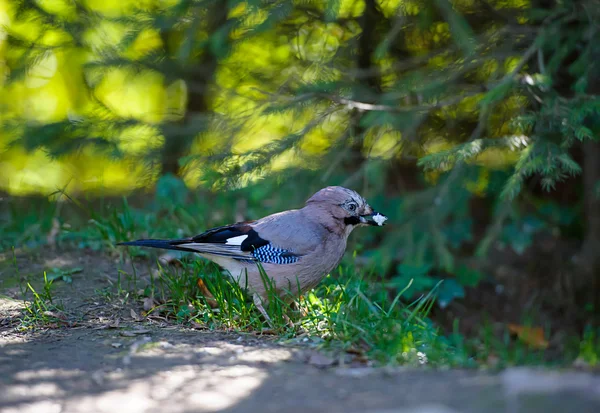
x=142, y=367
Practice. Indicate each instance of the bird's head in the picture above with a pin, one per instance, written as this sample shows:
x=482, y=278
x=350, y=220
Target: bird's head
x=347, y=207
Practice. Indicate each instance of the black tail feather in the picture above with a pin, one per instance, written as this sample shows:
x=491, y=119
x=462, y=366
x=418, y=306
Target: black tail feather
x=158, y=243
x=220, y=249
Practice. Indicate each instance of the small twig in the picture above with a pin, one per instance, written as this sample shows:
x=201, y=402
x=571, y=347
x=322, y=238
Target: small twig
x=542, y=66
x=354, y=104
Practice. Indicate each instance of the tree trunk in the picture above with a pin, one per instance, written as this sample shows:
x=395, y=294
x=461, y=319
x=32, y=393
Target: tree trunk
x=366, y=44
x=177, y=145
x=590, y=250
x=591, y=178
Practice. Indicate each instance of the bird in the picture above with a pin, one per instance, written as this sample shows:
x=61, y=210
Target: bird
x=296, y=249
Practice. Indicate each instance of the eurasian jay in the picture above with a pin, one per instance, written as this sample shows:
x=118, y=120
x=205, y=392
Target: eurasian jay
x=296, y=248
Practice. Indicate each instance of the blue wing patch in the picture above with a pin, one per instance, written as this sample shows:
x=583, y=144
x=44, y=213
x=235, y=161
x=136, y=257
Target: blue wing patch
x=269, y=254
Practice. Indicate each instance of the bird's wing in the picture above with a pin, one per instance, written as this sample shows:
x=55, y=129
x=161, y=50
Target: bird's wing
x=239, y=241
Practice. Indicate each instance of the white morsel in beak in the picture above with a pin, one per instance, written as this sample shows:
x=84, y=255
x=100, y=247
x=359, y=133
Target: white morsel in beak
x=380, y=219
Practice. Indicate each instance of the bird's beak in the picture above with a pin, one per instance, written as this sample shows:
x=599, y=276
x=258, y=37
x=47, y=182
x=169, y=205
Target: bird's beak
x=374, y=218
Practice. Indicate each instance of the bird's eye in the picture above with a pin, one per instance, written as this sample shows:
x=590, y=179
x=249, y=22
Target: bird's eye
x=352, y=207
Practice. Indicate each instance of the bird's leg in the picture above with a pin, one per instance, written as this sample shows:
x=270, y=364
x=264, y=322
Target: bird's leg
x=288, y=320
x=258, y=303
x=297, y=307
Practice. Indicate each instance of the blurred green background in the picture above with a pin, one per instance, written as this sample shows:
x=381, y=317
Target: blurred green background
x=473, y=124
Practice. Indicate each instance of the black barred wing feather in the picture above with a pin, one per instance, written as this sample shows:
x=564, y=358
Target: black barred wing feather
x=243, y=238
x=273, y=255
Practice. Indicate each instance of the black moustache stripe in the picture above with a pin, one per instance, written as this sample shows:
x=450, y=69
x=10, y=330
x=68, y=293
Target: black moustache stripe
x=352, y=221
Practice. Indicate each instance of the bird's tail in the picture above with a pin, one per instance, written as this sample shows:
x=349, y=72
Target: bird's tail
x=189, y=245
x=164, y=244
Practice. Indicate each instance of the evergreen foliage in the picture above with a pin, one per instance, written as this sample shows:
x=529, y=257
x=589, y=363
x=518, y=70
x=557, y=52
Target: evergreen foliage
x=484, y=96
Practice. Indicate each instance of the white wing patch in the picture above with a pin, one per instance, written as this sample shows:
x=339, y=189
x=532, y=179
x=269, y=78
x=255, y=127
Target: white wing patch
x=236, y=240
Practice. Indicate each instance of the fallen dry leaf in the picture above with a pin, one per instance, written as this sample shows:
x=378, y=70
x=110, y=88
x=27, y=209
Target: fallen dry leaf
x=114, y=324
x=149, y=303
x=134, y=315
x=54, y=314
x=170, y=258
x=354, y=350
x=210, y=299
x=156, y=317
x=197, y=325
x=533, y=336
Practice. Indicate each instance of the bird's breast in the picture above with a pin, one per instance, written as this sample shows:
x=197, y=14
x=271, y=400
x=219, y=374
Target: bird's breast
x=328, y=256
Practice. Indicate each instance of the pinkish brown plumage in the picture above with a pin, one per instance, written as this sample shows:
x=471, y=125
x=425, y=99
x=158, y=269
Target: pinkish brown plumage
x=296, y=248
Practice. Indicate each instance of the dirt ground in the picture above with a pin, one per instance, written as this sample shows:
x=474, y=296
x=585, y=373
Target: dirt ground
x=94, y=364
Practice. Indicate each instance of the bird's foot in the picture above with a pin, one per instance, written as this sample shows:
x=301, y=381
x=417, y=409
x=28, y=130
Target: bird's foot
x=258, y=304
x=289, y=321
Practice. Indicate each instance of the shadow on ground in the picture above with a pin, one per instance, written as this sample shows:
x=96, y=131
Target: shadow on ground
x=147, y=368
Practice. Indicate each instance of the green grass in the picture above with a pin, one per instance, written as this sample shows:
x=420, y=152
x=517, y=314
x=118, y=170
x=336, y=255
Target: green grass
x=40, y=306
x=346, y=312
x=589, y=347
x=41, y=309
